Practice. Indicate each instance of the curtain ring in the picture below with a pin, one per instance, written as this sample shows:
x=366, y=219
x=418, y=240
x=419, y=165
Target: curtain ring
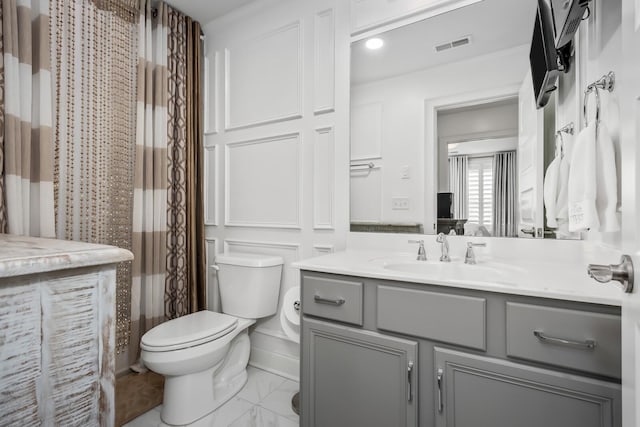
x=584, y=18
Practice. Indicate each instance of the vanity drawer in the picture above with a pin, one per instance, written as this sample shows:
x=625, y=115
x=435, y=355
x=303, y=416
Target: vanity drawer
x=573, y=339
x=332, y=299
x=454, y=319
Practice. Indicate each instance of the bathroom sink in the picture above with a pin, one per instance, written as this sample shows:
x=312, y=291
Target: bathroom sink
x=491, y=272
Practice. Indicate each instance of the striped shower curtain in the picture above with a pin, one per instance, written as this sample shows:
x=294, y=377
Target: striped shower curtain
x=28, y=145
x=150, y=183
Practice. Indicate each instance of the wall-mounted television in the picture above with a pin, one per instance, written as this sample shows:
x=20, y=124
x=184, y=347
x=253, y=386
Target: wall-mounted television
x=551, y=46
x=543, y=56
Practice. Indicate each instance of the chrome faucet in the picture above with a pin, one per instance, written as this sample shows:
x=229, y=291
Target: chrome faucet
x=422, y=254
x=444, y=246
x=470, y=256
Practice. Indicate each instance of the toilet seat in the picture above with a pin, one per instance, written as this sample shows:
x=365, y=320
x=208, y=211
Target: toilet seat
x=188, y=331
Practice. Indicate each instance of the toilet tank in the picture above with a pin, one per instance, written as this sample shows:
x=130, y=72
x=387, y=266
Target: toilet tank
x=249, y=284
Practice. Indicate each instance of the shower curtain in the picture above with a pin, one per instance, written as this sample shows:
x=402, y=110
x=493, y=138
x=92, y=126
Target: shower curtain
x=27, y=119
x=504, y=194
x=102, y=142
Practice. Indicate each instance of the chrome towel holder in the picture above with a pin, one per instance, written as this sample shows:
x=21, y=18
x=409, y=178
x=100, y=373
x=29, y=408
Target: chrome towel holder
x=606, y=82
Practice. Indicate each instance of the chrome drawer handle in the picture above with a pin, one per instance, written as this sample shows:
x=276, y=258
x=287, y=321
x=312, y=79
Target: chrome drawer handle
x=319, y=299
x=587, y=344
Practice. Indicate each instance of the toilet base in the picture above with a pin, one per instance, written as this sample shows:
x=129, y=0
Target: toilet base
x=187, y=398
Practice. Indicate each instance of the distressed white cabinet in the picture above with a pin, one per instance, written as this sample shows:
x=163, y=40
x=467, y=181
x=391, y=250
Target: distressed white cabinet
x=57, y=332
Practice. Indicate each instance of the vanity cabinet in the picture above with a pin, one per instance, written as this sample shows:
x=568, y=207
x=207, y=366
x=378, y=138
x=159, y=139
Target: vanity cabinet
x=381, y=352
x=359, y=378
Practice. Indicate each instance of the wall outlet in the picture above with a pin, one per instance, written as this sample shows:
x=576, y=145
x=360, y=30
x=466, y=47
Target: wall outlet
x=400, y=203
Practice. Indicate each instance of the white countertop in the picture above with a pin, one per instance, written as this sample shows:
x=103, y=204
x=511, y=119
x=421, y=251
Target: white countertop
x=20, y=255
x=504, y=275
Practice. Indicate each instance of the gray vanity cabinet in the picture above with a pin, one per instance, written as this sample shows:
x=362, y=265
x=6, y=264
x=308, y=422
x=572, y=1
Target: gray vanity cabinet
x=477, y=391
x=358, y=378
x=389, y=353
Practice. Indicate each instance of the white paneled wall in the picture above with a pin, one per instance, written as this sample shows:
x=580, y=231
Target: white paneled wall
x=277, y=168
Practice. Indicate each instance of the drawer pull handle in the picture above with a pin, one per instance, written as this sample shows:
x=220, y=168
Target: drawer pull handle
x=587, y=344
x=439, y=378
x=409, y=385
x=319, y=299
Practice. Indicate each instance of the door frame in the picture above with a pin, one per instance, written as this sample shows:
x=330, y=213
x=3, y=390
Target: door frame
x=431, y=109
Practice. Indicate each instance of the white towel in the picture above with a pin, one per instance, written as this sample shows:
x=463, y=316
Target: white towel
x=607, y=181
x=593, y=188
x=581, y=192
x=562, y=202
x=550, y=191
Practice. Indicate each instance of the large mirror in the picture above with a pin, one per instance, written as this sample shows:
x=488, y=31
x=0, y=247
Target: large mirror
x=445, y=136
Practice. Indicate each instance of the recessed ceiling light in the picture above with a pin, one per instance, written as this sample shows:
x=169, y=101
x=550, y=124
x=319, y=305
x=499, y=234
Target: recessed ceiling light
x=374, y=43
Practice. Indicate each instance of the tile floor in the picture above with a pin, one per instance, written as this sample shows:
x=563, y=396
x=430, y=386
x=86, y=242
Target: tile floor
x=264, y=401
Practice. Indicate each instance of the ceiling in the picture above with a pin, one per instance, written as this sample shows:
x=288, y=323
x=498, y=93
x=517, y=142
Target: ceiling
x=206, y=10
x=492, y=25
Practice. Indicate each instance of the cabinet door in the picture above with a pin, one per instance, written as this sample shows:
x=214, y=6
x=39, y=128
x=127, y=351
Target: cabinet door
x=354, y=377
x=477, y=391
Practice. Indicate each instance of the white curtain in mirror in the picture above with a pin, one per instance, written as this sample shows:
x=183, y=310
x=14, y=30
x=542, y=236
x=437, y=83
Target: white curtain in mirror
x=505, y=193
x=458, y=166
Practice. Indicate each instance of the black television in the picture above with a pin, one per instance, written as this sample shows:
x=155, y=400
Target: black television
x=567, y=15
x=543, y=56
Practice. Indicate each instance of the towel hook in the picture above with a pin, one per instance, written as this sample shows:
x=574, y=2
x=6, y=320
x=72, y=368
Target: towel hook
x=605, y=82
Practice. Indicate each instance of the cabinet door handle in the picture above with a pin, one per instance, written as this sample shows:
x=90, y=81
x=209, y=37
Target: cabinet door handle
x=439, y=377
x=409, y=386
x=319, y=299
x=587, y=344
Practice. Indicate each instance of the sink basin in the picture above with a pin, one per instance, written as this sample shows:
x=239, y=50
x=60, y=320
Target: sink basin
x=495, y=273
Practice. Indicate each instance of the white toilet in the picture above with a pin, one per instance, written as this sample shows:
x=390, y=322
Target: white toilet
x=203, y=356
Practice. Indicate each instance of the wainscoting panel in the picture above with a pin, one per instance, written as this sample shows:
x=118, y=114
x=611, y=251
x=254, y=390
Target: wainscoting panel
x=323, y=179
x=213, y=295
x=324, y=63
x=322, y=250
x=263, y=182
x=366, y=195
x=366, y=131
x=211, y=92
x=263, y=78
x=211, y=185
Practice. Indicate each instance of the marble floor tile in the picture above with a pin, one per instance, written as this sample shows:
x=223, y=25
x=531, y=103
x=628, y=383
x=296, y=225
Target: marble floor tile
x=258, y=416
x=259, y=384
x=279, y=400
x=226, y=414
x=265, y=401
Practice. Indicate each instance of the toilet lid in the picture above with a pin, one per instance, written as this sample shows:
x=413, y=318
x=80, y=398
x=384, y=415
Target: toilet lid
x=188, y=331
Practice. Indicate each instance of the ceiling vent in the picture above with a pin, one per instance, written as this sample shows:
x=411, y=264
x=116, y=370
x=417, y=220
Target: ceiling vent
x=455, y=43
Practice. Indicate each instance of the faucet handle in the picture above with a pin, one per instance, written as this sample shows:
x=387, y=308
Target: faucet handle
x=422, y=254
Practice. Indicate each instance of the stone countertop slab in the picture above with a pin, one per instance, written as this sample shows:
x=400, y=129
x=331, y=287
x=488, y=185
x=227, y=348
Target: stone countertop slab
x=22, y=255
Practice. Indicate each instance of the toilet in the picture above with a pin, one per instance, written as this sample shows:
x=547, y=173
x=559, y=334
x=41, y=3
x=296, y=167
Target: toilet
x=203, y=356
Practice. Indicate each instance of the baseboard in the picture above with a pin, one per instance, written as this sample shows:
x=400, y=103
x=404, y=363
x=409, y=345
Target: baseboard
x=275, y=353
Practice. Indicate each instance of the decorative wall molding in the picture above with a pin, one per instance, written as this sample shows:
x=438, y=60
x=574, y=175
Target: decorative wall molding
x=263, y=182
x=366, y=131
x=211, y=185
x=247, y=245
x=263, y=78
x=323, y=179
x=213, y=297
x=211, y=93
x=324, y=62
x=322, y=250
